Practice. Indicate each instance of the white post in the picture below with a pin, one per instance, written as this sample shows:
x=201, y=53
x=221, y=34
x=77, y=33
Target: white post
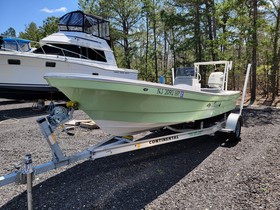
x=173, y=75
x=29, y=174
x=244, y=88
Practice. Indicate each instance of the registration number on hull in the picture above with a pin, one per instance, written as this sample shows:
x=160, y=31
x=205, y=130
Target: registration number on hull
x=170, y=92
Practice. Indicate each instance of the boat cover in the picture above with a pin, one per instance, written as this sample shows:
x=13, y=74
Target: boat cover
x=16, y=44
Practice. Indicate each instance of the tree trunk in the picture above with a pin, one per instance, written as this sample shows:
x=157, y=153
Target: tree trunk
x=254, y=51
x=173, y=48
x=165, y=53
x=126, y=45
x=197, y=34
x=147, y=47
x=275, y=61
x=210, y=10
x=155, y=42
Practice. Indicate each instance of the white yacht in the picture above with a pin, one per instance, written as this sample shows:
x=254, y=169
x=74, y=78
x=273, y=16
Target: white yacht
x=82, y=45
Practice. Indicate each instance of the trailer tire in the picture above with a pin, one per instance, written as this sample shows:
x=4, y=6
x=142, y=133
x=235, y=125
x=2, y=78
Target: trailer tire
x=233, y=126
x=235, y=135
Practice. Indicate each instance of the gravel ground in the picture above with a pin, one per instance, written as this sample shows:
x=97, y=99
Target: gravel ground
x=202, y=173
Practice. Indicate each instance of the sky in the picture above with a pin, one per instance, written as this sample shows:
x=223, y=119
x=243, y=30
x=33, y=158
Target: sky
x=20, y=13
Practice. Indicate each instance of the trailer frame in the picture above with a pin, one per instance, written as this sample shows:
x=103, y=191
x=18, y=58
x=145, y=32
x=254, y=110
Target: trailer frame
x=112, y=145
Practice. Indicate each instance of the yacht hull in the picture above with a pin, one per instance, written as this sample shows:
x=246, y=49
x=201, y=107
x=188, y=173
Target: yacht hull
x=125, y=107
x=21, y=75
x=30, y=92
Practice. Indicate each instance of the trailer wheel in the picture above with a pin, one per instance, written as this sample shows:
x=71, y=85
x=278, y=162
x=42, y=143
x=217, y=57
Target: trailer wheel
x=234, y=123
x=235, y=135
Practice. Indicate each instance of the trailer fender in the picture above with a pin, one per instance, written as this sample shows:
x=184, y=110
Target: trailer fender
x=233, y=125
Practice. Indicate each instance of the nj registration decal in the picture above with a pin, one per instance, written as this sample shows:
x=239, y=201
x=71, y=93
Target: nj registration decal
x=170, y=92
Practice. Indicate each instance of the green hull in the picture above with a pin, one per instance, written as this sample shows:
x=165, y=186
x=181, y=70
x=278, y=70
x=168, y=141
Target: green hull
x=122, y=100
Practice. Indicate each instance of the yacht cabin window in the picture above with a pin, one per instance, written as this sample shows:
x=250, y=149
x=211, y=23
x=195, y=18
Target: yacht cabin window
x=72, y=51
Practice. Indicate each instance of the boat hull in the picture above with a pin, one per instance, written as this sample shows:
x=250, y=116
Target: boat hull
x=124, y=107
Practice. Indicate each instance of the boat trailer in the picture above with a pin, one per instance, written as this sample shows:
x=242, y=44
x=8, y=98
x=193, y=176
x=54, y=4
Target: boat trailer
x=112, y=145
x=230, y=124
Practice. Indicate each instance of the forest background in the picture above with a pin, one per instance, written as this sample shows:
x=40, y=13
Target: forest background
x=154, y=36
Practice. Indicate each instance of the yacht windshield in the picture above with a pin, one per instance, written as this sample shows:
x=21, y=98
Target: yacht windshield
x=72, y=51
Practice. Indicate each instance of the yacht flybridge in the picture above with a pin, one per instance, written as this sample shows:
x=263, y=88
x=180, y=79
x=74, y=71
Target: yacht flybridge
x=82, y=45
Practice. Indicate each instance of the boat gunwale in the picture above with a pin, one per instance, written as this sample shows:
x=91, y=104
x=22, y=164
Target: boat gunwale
x=106, y=79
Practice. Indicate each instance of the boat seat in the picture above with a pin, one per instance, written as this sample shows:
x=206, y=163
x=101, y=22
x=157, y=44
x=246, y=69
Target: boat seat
x=183, y=80
x=187, y=82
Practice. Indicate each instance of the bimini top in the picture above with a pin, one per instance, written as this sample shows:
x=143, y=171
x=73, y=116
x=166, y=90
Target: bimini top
x=90, y=24
x=12, y=43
